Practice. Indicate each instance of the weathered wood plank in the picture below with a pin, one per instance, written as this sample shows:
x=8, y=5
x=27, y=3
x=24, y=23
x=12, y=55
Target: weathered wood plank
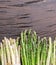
x=18, y=15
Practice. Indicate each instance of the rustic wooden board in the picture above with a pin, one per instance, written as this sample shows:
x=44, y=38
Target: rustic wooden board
x=18, y=15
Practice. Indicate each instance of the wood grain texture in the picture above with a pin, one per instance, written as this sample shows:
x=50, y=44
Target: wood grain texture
x=18, y=15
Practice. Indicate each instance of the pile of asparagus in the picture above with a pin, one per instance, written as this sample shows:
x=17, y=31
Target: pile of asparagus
x=32, y=50
x=9, y=52
x=36, y=50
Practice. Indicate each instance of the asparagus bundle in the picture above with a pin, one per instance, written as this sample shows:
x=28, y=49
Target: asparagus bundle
x=36, y=50
x=10, y=53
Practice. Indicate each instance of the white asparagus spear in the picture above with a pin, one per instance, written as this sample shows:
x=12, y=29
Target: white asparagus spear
x=49, y=52
x=7, y=50
x=2, y=54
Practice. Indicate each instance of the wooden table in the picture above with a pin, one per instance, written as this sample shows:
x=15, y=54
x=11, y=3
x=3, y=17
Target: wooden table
x=18, y=15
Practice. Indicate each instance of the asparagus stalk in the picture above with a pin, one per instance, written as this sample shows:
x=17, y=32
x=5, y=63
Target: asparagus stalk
x=5, y=59
x=49, y=52
x=54, y=52
x=17, y=56
x=7, y=50
x=2, y=54
x=44, y=51
x=38, y=51
x=23, y=50
x=11, y=53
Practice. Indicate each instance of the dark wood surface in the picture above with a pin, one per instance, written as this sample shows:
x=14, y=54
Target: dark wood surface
x=18, y=15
